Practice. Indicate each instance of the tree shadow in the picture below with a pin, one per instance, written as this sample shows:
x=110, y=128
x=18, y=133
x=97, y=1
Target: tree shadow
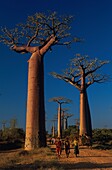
x=94, y=156
x=87, y=165
x=45, y=165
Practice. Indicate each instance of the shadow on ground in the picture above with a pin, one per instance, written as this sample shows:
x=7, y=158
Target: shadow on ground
x=59, y=166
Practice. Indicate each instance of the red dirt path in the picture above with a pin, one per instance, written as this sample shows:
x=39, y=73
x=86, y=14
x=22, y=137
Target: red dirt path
x=87, y=160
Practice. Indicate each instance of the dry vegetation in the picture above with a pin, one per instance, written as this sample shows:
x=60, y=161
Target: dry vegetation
x=46, y=159
x=99, y=158
x=42, y=158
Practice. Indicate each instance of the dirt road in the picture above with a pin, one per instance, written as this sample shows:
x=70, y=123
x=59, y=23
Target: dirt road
x=87, y=159
x=45, y=159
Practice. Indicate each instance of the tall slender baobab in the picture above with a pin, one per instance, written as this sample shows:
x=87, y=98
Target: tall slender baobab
x=37, y=36
x=64, y=117
x=82, y=73
x=53, y=127
x=60, y=101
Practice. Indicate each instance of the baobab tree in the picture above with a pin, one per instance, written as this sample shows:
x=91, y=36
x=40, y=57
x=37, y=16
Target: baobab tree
x=64, y=117
x=53, y=127
x=38, y=35
x=60, y=101
x=81, y=74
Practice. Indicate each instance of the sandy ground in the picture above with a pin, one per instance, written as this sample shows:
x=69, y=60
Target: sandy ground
x=87, y=159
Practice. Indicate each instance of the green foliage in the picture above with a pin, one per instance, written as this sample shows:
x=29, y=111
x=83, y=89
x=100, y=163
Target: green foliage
x=12, y=138
x=102, y=136
x=12, y=134
x=70, y=132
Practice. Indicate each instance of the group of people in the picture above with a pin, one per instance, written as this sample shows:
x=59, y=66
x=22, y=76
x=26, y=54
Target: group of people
x=66, y=143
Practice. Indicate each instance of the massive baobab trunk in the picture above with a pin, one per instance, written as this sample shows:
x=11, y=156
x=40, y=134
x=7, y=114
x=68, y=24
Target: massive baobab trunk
x=88, y=118
x=35, y=117
x=83, y=124
x=85, y=119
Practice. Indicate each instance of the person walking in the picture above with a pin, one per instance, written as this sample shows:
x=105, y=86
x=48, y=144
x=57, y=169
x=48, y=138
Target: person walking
x=58, y=146
x=76, y=146
x=67, y=147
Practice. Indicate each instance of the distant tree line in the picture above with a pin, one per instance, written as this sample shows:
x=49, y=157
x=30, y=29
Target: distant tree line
x=11, y=137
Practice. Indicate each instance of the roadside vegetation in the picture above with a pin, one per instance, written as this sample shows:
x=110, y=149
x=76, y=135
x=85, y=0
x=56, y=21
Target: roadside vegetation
x=42, y=158
x=13, y=155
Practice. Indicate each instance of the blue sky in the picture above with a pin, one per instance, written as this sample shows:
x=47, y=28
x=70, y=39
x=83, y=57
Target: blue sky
x=93, y=23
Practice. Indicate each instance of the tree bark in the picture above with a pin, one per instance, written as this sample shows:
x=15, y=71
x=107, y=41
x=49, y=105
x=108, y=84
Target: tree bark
x=83, y=122
x=62, y=121
x=59, y=122
x=85, y=118
x=89, y=124
x=65, y=123
x=35, y=116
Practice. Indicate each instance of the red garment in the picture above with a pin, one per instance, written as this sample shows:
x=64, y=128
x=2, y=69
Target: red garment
x=58, y=144
x=58, y=147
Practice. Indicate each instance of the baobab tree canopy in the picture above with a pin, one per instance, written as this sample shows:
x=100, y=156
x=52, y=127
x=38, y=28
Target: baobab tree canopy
x=38, y=29
x=78, y=66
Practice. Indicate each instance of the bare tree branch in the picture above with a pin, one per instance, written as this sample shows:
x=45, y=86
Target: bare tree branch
x=66, y=79
x=83, y=65
x=37, y=29
x=95, y=66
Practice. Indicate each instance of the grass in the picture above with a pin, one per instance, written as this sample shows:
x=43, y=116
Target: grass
x=39, y=159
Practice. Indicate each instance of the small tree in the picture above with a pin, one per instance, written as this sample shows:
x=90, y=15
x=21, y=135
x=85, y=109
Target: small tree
x=60, y=101
x=38, y=35
x=82, y=73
